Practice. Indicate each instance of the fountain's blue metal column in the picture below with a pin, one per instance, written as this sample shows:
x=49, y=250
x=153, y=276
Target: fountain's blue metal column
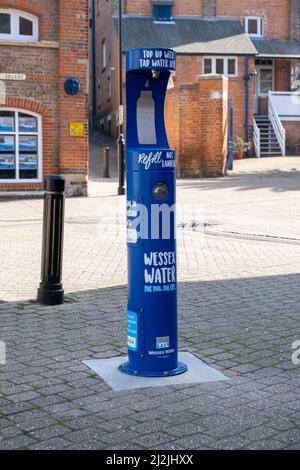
x=151, y=225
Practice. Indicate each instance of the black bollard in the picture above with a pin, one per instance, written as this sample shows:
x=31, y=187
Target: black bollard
x=51, y=290
x=106, y=163
x=121, y=165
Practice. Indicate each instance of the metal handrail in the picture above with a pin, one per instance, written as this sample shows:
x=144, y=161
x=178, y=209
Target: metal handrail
x=256, y=138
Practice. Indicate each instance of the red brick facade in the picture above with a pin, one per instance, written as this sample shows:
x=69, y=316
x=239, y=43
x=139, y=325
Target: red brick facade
x=277, y=24
x=188, y=68
x=292, y=129
x=60, y=52
x=276, y=14
x=201, y=143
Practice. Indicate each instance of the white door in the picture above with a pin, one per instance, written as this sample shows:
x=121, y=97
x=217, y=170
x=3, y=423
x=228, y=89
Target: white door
x=264, y=83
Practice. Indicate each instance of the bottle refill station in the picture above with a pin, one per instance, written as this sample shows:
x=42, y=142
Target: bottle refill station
x=151, y=225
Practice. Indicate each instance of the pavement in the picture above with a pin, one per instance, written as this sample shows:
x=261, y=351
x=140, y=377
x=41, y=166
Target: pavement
x=239, y=311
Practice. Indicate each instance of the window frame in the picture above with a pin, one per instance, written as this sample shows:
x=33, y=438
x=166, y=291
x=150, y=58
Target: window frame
x=14, y=34
x=260, y=26
x=225, y=65
x=269, y=67
x=157, y=7
x=16, y=133
x=104, y=54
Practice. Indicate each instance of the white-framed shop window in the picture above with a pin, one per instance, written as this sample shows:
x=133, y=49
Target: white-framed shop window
x=17, y=25
x=220, y=65
x=254, y=26
x=20, y=146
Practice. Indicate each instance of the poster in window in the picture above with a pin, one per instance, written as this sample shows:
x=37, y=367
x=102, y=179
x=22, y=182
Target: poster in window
x=7, y=161
x=27, y=124
x=7, y=142
x=28, y=161
x=28, y=143
x=7, y=124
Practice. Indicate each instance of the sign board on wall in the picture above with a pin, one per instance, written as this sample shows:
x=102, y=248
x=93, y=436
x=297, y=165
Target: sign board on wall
x=76, y=129
x=12, y=76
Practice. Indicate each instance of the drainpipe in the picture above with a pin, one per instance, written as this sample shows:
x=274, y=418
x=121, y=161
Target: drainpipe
x=247, y=79
x=94, y=101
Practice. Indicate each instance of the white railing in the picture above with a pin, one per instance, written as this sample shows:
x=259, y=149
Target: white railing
x=278, y=127
x=256, y=138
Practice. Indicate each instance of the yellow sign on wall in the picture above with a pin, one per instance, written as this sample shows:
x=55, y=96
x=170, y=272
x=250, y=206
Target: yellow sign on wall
x=76, y=129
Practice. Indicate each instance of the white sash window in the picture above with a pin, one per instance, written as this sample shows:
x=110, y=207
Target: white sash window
x=18, y=26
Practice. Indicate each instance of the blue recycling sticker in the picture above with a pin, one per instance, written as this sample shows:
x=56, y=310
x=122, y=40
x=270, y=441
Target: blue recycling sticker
x=132, y=337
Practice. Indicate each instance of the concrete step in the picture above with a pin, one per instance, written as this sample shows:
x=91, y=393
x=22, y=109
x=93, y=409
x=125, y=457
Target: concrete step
x=261, y=117
x=269, y=144
x=266, y=129
x=272, y=154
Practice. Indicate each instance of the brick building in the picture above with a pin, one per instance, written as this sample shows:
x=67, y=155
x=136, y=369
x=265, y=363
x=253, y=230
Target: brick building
x=235, y=38
x=43, y=127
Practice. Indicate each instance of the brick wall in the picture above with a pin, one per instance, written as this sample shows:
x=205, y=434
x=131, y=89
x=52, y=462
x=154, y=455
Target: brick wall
x=189, y=67
x=201, y=108
x=62, y=51
x=181, y=7
x=292, y=136
x=106, y=76
x=187, y=8
x=138, y=7
x=73, y=61
x=276, y=14
x=295, y=20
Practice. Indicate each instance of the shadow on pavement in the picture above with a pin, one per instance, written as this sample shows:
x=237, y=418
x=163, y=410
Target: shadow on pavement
x=277, y=181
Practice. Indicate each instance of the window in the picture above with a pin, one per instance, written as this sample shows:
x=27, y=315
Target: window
x=295, y=75
x=162, y=10
x=262, y=61
x=207, y=66
x=4, y=23
x=18, y=26
x=254, y=25
x=20, y=146
x=220, y=65
x=109, y=88
x=265, y=80
x=104, y=54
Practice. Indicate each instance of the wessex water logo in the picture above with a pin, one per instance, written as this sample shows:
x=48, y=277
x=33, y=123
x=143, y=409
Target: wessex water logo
x=2, y=92
x=2, y=353
x=163, y=342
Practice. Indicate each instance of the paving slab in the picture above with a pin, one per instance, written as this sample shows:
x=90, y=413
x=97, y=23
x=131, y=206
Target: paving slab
x=198, y=372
